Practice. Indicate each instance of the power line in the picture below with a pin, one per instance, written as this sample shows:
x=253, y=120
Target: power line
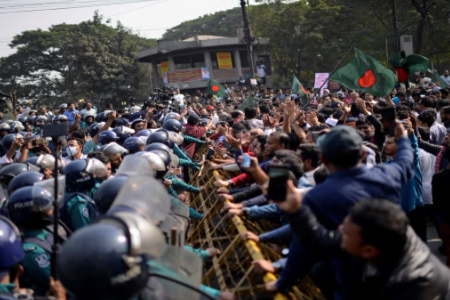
x=72, y=7
x=125, y=12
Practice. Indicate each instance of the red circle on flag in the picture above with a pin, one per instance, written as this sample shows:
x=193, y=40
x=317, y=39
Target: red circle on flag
x=215, y=88
x=402, y=74
x=368, y=79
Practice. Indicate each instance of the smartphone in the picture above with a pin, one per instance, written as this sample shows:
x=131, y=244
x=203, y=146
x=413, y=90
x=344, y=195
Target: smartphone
x=279, y=175
x=247, y=161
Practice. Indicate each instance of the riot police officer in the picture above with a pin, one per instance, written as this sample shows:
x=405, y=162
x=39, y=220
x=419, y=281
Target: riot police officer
x=82, y=179
x=31, y=209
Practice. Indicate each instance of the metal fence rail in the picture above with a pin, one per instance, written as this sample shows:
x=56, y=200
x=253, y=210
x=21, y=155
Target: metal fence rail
x=233, y=269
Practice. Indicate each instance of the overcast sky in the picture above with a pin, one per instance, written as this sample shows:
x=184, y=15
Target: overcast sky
x=150, y=18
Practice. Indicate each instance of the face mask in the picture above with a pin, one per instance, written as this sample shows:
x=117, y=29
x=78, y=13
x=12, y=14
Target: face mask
x=71, y=151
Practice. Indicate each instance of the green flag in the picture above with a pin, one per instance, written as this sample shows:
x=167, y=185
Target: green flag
x=298, y=89
x=365, y=73
x=405, y=65
x=250, y=100
x=439, y=81
x=215, y=88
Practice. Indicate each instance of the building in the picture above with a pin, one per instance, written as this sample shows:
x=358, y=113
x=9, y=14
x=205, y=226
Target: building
x=189, y=64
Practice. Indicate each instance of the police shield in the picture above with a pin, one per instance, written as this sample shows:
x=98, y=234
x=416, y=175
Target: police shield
x=145, y=238
x=49, y=185
x=133, y=165
x=144, y=195
x=176, y=275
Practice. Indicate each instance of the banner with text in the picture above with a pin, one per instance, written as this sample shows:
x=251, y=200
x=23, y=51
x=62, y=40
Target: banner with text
x=224, y=60
x=186, y=75
x=320, y=79
x=164, y=65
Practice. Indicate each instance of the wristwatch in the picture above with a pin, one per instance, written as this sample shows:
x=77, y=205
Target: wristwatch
x=230, y=182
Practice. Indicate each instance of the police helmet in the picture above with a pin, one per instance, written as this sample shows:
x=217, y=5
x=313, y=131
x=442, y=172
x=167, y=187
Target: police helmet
x=123, y=133
x=8, y=140
x=176, y=138
x=133, y=144
x=145, y=132
x=24, y=179
x=107, y=136
x=113, y=148
x=161, y=136
x=172, y=125
x=31, y=119
x=158, y=146
x=41, y=120
x=47, y=161
x=154, y=159
x=32, y=160
x=9, y=172
x=27, y=206
x=10, y=246
x=16, y=126
x=117, y=272
x=95, y=128
x=80, y=175
x=87, y=114
x=107, y=192
x=171, y=116
x=5, y=126
x=163, y=155
x=136, y=121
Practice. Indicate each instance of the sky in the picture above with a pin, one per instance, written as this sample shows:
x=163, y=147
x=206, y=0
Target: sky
x=149, y=18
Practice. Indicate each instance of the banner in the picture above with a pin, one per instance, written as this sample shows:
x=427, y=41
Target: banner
x=224, y=60
x=164, y=65
x=320, y=79
x=186, y=75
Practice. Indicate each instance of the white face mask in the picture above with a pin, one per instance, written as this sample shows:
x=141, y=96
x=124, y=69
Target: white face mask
x=71, y=151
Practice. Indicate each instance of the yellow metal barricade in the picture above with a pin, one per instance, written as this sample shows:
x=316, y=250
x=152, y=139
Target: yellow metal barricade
x=232, y=270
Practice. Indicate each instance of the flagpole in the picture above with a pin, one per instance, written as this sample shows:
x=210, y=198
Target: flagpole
x=334, y=70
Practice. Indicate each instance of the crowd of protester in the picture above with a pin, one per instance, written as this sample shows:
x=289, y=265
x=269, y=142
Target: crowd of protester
x=362, y=176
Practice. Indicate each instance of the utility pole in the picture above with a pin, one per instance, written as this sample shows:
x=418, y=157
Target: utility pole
x=395, y=23
x=248, y=39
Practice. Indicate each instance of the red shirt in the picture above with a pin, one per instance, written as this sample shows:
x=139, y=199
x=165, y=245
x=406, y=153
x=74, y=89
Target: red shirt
x=194, y=131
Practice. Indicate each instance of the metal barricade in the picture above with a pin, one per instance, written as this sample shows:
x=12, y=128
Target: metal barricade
x=233, y=270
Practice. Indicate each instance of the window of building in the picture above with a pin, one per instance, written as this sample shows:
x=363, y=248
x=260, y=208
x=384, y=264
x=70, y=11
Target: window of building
x=191, y=61
x=244, y=59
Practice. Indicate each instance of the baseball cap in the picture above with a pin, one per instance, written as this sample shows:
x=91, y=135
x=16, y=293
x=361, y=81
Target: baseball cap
x=210, y=108
x=339, y=140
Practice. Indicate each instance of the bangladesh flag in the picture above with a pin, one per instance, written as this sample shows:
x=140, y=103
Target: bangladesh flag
x=215, y=88
x=298, y=89
x=250, y=100
x=439, y=81
x=405, y=65
x=365, y=73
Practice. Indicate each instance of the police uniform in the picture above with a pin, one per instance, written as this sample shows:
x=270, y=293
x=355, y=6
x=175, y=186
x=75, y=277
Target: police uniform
x=181, y=185
x=185, y=160
x=78, y=209
x=190, y=139
x=37, y=260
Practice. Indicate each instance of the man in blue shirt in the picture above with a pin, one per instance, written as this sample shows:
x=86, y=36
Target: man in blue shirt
x=348, y=183
x=70, y=113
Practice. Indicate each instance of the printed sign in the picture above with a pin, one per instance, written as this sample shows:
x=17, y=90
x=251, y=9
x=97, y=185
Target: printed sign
x=186, y=75
x=164, y=68
x=320, y=79
x=224, y=60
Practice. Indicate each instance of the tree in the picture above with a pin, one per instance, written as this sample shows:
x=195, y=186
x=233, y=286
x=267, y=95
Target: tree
x=90, y=60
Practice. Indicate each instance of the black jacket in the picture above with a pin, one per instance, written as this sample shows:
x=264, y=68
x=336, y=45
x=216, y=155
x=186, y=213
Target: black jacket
x=415, y=274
